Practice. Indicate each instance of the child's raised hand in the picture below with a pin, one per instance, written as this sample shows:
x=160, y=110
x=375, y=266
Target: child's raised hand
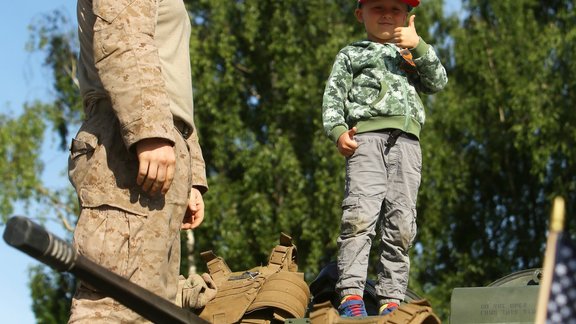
x=406, y=37
x=346, y=143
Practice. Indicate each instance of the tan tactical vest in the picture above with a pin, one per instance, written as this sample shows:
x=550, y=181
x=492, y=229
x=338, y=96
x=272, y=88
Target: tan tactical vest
x=261, y=295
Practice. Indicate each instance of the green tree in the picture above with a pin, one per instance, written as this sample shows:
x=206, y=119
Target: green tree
x=52, y=294
x=22, y=137
x=498, y=144
x=259, y=69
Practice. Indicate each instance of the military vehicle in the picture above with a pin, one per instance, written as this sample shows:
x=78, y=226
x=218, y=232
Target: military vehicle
x=510, y=299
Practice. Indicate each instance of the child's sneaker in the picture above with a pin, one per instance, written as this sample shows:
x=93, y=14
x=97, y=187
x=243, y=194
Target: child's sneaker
x=352, y=306
x=388, y=308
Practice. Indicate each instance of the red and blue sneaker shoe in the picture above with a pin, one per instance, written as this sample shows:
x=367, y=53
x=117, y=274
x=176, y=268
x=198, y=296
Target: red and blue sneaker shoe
x=388, y=308
x=352, y=306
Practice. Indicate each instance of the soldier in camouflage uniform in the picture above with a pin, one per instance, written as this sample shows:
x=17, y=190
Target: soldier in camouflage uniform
x=135, y=163
x=372, y=111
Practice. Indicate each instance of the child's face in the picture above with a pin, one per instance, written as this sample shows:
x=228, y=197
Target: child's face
x=381, y=17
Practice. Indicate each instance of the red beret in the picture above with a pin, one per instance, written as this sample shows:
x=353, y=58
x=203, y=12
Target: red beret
x=412, y=3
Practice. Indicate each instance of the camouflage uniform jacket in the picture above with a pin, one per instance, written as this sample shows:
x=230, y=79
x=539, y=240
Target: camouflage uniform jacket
x=372, y=86
x=136, y=54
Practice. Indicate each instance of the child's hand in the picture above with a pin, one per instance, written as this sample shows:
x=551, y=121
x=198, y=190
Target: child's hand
x=406, y=37
x=346, y=143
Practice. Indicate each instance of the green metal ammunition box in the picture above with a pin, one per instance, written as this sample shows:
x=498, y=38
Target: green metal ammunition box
x=511, y=300
x=494, y=305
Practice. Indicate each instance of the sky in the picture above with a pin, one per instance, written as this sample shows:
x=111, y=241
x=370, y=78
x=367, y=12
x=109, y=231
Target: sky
x=23, y=79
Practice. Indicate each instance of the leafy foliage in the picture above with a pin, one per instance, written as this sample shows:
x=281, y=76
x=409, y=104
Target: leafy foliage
x=52, y=293
x=53, y=35
x=259, y=69
x=498, y=143
x=21, y=166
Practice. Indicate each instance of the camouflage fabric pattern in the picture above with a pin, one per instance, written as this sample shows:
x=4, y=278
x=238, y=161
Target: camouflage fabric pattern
x=197, y=163
x=121, y=227
x=371, y=80
x=129, y=51
x=126, y=58
x=130, y=54
x=103, y=171
x=143, y=249
x=135, y=53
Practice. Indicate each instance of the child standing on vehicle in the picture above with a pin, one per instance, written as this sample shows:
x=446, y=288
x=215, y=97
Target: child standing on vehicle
x=372, y=111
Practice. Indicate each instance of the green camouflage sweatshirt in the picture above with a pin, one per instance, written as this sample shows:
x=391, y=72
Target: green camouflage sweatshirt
x=373, y=87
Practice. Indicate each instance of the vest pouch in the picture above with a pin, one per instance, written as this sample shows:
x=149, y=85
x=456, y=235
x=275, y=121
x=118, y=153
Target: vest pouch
x=262, y=295
x=286, y=292
x=233, y=298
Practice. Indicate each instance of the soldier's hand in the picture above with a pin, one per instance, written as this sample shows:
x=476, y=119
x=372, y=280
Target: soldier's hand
x=346, y=143
x=406, y=37
x=195, y=211
x=157, y=162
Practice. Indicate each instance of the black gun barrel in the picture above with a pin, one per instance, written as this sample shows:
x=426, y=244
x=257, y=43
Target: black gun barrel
x=32, y=239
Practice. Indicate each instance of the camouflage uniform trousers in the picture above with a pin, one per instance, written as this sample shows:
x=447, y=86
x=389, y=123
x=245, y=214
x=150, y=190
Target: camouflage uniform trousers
x=381, y=190
x=121, y=227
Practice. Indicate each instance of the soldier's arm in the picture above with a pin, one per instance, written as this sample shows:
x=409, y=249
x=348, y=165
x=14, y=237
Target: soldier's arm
x=197, y=161
x=128, y=62
x=129, y=66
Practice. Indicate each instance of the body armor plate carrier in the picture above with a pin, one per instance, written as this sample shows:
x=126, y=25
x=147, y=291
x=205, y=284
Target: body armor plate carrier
x=261, y=295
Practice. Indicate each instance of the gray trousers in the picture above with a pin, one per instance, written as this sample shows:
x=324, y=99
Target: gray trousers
x=381, y=189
